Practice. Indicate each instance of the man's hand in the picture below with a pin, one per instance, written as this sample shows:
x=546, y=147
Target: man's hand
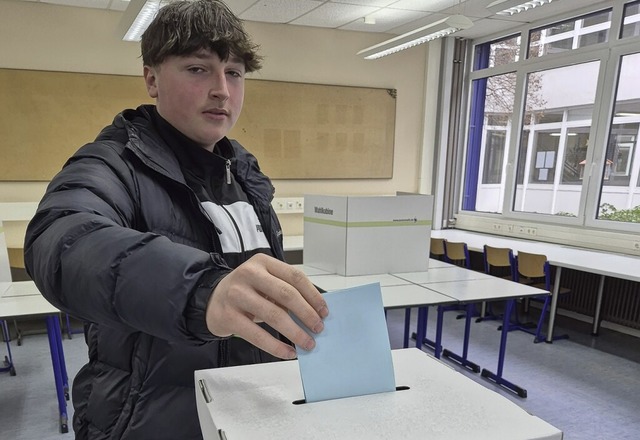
x=265, y=289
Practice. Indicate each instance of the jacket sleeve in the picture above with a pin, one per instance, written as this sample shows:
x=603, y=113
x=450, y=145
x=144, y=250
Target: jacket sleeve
x=86, y=257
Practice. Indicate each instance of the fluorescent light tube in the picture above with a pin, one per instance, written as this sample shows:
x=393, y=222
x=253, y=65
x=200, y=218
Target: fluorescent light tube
x=137, y=17
x=421, y=35
x=512, y=7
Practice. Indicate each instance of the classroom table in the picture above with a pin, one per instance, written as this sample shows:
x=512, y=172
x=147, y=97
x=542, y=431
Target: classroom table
x=20, y=299
x=396, y=293
x=444, y=285
x=432, y=401
x=603, y=263
x=469, y=287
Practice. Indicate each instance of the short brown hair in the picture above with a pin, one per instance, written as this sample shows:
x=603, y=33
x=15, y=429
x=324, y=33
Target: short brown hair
x=184, y=27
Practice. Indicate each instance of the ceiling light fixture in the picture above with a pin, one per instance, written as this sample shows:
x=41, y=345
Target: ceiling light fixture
x=369, y=20
x=512, y=7
x=137, y=17
x=438, y=29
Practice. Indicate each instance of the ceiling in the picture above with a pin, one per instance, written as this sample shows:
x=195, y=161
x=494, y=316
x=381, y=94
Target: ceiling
x=391, y=16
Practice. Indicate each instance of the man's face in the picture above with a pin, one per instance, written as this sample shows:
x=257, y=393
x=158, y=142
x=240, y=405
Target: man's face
x=198, y=94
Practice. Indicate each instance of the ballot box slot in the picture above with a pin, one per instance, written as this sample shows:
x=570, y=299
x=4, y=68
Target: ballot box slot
x=303, y=401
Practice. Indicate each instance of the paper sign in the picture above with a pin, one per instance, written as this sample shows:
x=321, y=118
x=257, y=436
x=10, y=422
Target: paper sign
x=352, y=356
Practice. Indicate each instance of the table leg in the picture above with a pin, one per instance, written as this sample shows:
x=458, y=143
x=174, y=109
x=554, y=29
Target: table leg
x=407, y=324
x=596, y=316
x=57, y=360
x=8, y=359
x=497, y=377
x=438, y=344
x=63, y=364
x=462, y=360
x=554, y=305
x=421, y=333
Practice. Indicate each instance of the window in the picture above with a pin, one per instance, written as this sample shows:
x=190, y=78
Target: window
x=631, y=20
x=569, y=35
x=499, y=52
x=620, y=189
x=559, y=108
x=493, y=99
x=494, y=157
x=575, y=154
x=543, y=164
x=544, y=143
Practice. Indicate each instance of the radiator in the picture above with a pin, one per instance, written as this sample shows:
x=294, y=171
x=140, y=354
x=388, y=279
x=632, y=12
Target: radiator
x=620, y=302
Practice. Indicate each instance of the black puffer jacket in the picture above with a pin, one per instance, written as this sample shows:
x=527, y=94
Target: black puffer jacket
x=119, y=240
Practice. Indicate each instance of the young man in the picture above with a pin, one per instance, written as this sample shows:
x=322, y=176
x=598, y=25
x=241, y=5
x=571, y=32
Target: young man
x=161, y=236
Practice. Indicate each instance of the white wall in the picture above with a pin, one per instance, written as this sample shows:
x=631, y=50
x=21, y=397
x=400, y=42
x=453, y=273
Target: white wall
x=40, y=36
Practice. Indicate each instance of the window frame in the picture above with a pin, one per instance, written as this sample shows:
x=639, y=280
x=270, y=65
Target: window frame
x=609, y=55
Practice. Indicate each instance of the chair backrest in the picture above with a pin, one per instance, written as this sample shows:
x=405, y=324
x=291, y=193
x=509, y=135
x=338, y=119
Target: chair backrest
x=457, y=253
x=436, y=248
x=5, y=267
x=533, y=266
x=498, y=258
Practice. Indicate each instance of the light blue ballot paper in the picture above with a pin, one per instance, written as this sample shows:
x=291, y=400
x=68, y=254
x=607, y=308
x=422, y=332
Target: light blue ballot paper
x=352, y=356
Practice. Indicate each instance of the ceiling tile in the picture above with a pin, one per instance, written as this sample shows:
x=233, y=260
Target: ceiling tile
x=348, y=14
x=118, y=5
x=99, y=4
x=279, y=11
x=424, y=5
x=334, y=15
x=239, y=6
x=377, y=3
x=386, y=20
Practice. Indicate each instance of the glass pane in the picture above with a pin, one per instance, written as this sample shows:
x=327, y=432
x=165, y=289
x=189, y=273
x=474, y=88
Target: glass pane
x=576, y=144
x=555, y=139
x=494, y=157
x=490, y=126
x=620, y=190
x=500, y=52
x=543, y=163
x=593, y=38
x=571, y=34
x=631, y=20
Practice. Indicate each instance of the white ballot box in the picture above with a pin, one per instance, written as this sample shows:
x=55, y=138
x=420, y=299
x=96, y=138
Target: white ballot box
x=364, y=235
x=264, y=401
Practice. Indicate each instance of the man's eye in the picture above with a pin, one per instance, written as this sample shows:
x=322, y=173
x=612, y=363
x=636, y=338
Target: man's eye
x=196, y=69
x=235, y=73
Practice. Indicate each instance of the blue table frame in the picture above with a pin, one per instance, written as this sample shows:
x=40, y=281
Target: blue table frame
x=22, y=299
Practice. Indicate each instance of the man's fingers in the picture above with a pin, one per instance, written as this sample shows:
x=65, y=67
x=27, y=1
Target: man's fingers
x=288, y=284
x=278, y=318
x=265, y=289
x=256, y=335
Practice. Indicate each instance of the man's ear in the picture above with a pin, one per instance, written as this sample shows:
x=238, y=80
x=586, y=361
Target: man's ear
x=151, y=81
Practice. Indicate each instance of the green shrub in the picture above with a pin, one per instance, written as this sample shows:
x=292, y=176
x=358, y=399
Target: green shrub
x=565, y=214
x=610, y=212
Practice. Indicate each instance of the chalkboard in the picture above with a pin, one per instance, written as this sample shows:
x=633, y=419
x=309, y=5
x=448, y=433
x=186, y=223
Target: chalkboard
x=296, y=130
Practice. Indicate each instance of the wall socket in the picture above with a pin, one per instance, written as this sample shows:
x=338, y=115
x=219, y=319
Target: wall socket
x=526, y=230
x=288, y=205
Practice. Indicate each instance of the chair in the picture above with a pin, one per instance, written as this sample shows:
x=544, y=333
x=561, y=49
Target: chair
x=457, y=253
x=436, y=249
x=497, y=262
x=535, y=270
